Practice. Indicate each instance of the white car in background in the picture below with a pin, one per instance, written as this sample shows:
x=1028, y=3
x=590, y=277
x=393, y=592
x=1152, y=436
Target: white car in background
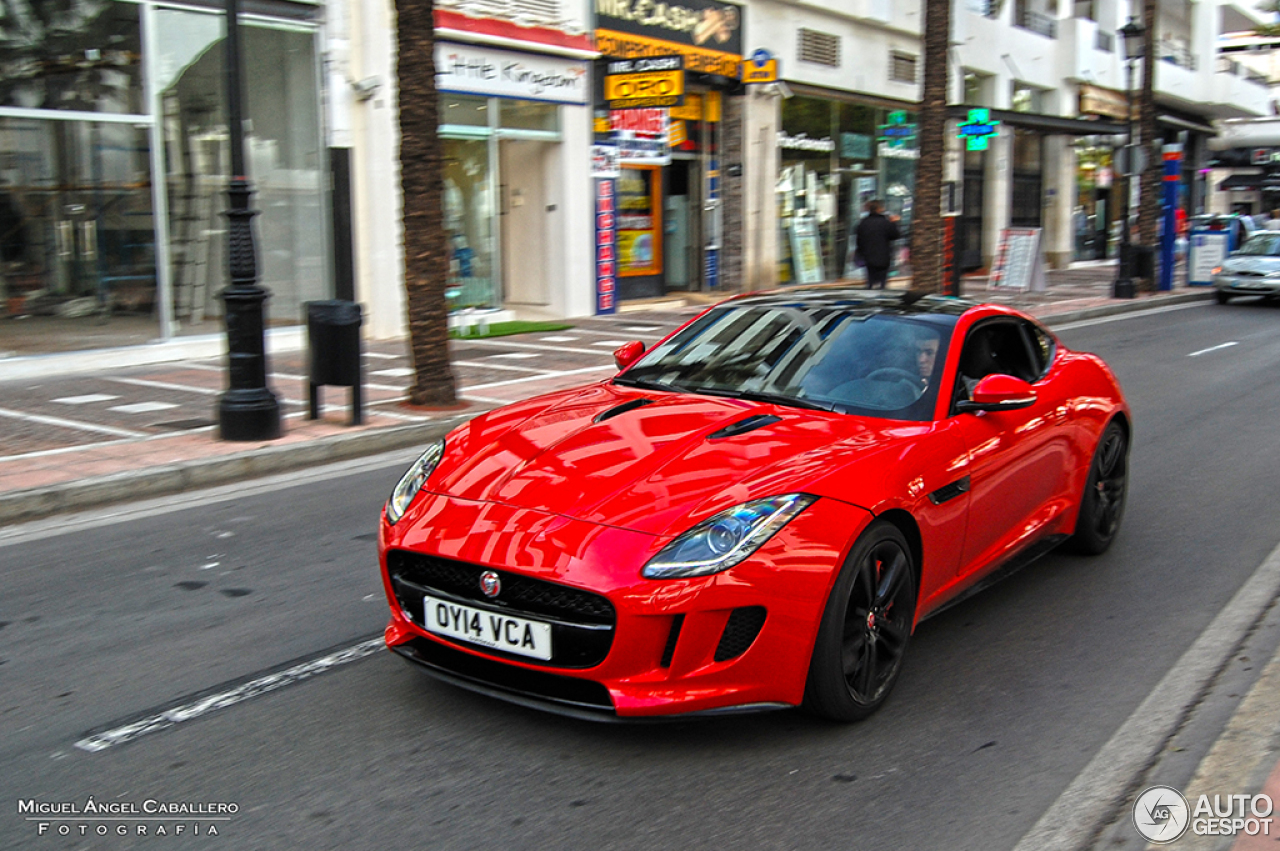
x=1252, y=269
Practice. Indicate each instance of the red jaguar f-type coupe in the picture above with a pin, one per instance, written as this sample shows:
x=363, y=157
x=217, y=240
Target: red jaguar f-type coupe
x=756, y=512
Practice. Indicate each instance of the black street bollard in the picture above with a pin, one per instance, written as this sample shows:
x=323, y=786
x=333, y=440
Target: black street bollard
x=333, y=339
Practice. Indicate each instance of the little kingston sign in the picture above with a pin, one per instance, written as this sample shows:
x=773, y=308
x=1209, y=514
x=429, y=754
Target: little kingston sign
x=978, y=129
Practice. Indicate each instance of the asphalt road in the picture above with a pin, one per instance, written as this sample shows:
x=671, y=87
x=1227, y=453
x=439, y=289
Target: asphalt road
x=1003, y=700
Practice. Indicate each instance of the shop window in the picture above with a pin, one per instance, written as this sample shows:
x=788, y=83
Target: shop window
x=283, y=152
x=85, y=57
x=529, y=115
x=464, y=110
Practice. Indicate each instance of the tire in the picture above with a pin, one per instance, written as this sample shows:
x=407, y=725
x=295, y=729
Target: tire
x=865, y=628
x=1221, y=296
x=1102, y=504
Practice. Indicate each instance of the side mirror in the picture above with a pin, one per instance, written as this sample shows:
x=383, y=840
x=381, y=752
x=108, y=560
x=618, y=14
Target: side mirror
x=628, y=354
x=998, y=393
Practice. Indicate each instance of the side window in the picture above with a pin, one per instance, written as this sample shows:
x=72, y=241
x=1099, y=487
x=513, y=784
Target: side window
x=998, y=347
x=1043, y=348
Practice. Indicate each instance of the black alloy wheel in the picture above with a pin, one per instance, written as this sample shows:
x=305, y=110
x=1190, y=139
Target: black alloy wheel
x=865, y=629
x=1102, y=505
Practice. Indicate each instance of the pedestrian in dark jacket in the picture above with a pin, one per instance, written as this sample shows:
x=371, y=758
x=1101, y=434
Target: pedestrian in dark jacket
x=875, y=236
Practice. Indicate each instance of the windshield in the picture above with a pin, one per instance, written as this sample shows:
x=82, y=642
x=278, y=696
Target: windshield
x=1266, y=244
x=849, y=359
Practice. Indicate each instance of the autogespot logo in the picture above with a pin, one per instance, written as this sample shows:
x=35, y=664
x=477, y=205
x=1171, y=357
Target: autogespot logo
x=1161, y=815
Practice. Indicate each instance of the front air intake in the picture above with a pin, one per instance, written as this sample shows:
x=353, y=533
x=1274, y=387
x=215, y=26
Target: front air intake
x=739, y=632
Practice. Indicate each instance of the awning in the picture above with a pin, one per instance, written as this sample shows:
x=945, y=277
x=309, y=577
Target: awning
x=1045, y=123
x=1242, y=182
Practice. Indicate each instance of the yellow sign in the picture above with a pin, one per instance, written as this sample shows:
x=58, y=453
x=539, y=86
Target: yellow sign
x=648, y=89
x=677, y=134
x=699, y=59
x=766, y=73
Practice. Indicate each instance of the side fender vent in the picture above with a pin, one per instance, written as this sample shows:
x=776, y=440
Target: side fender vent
x=744, y=426
x=621, y=409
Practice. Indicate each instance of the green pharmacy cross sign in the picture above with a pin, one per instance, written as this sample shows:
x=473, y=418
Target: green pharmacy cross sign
x=978, y=130
x=897, y=132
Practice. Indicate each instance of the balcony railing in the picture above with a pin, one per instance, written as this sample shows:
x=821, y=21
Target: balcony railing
x=1227, y=65
x=985, y=8
x=1177, y=54
x=1037, y=22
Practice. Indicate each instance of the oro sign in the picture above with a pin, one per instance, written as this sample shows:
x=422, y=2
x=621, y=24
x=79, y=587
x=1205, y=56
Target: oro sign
x=647, y=83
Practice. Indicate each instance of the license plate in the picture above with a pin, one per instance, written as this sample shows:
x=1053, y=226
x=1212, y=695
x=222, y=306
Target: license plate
x=488, y=629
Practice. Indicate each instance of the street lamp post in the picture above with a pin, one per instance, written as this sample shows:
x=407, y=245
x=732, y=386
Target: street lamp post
x=247, y=410
x=1133, y=34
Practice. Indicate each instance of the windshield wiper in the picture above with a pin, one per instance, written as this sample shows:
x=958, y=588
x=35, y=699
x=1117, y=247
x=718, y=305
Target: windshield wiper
x=646, y=384
x=759, y=396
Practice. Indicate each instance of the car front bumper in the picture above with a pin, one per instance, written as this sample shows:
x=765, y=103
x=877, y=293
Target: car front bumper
x=737, y=640
x=1246, y=285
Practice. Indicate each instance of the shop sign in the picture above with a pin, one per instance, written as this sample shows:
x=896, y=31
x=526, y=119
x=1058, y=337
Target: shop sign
x=761, y=67
x=802, y=142
x=642, y=136
x=978, y=129
x=645, y=83
x=606, y=247
x=604, y=161
x=1095, y=100
x=1264, y=156
x=806, y=250
x=898, y=131
x=706, y=33
x=855, y=146
x=893, y=153
x=478, y=70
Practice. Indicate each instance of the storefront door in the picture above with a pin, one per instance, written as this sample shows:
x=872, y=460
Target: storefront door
x=526, y=221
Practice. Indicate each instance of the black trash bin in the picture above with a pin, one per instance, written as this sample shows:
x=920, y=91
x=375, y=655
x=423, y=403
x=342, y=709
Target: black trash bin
x=333, y=340
x=1143, y=260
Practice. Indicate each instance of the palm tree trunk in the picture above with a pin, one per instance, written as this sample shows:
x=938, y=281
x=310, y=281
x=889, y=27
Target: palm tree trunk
x=926, y=224
x=426, y=259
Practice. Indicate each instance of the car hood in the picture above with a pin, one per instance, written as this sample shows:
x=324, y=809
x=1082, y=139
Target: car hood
x=1257, y=264
x=646, y=461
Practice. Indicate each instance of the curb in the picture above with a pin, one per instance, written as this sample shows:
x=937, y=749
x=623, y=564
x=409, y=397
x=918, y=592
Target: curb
x=1137, y=304
x=35, y=503
x=170, y=479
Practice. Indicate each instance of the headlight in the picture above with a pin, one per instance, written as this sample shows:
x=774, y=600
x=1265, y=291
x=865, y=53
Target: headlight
x=727, y=539
x=413, y=480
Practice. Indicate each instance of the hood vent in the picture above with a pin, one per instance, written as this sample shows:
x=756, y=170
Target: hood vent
x=621, y=409
x=744, y=426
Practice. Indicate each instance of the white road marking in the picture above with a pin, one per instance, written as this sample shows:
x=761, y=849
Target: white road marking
x=516, y=355
x=143, y=407
x=584, y=370
x=505, y=344
x=85, y=400
x=1117, y=770
x=507, y=366
x=58, y=421
x=398, y=372
x=557, y=339
x=1213, y=349
x=641, y=329
x=1136, y=314
x=611, y=343
x=381, y=356
x=222, y=700
x=165, y=385
x=488, y=400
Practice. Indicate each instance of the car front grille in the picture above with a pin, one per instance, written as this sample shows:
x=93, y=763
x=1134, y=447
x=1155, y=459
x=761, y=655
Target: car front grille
x=582, y=623
x=739, y=632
